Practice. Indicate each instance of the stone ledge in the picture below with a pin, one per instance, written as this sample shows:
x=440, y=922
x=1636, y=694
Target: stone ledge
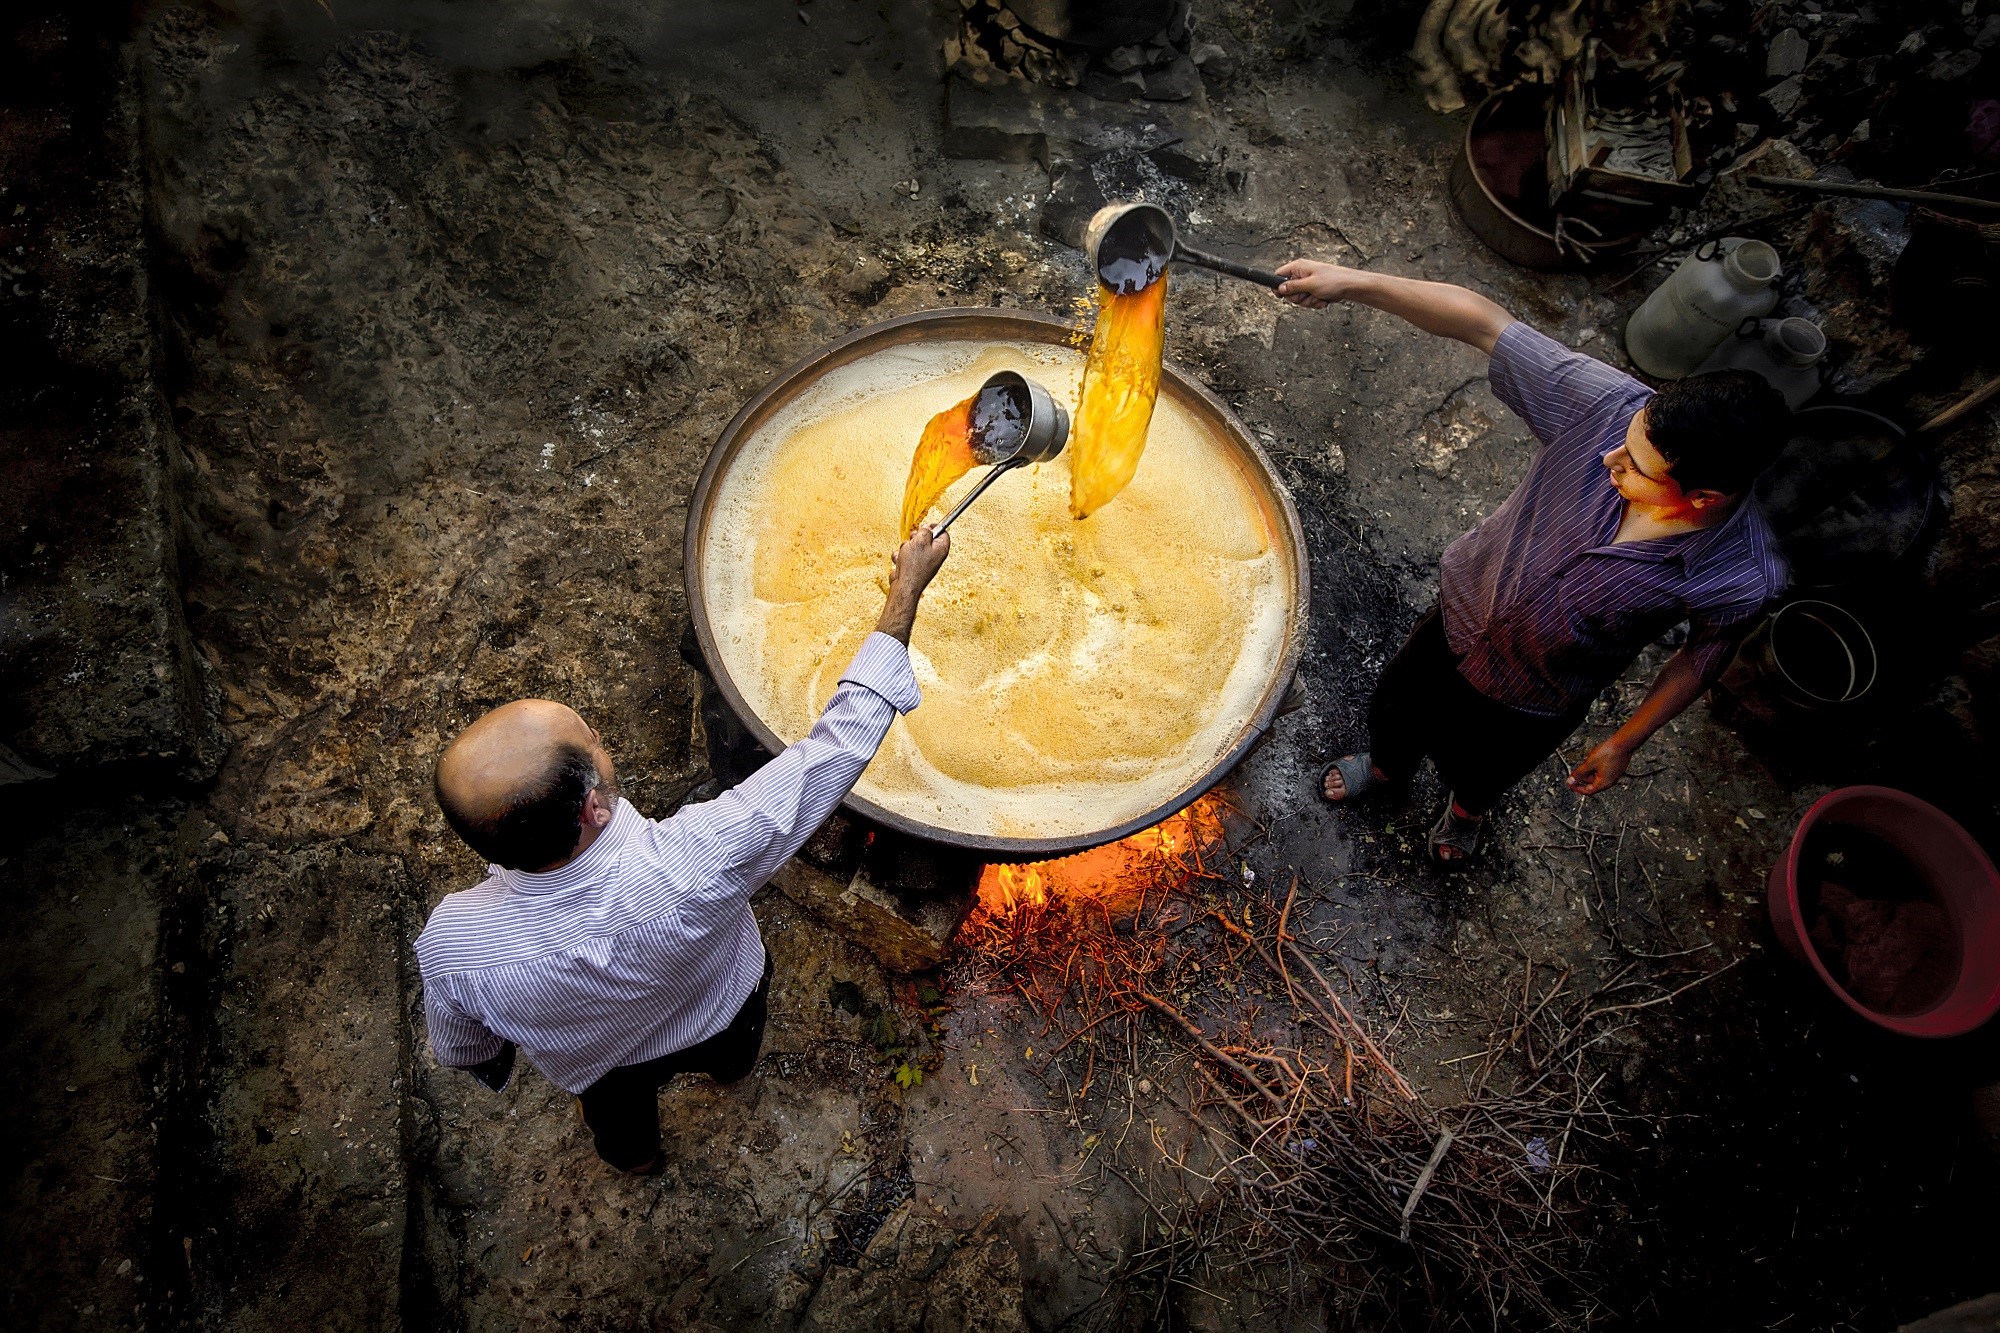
x=96, y=663
x=1012, y=120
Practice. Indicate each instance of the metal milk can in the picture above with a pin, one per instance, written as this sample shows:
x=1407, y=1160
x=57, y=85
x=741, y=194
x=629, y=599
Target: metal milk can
x=1785, y=353
x=1704, y=300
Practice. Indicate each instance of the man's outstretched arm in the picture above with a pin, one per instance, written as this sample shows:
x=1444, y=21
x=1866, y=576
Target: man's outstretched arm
x=917, y=562
x=1434, y=307
x=1679, y=684
x=742, y=836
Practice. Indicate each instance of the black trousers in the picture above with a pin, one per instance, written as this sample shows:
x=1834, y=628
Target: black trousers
x=623, y=1108
x=1481, y=747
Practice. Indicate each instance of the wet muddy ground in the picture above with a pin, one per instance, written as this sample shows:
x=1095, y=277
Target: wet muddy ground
x=450, y=311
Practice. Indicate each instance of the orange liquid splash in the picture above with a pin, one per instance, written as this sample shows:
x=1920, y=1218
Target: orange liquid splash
x=944, y=454
x=1121, y=379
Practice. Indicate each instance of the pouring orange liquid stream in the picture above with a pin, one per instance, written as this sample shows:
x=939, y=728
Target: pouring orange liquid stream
x=944, y=454
x=1120, y=381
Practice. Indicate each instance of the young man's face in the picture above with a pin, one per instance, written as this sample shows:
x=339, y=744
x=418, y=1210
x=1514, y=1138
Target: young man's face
x=1643, y=476
x=1640, y=472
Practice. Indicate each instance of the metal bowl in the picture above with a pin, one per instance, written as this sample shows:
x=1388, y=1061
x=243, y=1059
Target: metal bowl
x=985, y=325
x=1496, y=216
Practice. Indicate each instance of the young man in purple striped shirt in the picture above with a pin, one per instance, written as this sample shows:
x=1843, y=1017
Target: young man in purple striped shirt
x=1635, y=516
x=619, y=951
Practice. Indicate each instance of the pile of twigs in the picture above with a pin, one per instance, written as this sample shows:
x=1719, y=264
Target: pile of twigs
x=1322, y=1152
x=1328, y=1145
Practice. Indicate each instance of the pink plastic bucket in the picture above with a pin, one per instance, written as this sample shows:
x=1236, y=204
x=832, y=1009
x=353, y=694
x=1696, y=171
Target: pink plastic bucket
x=1950, y=862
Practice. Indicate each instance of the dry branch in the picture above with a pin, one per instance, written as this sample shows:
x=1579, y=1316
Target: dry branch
x=1323, y=1153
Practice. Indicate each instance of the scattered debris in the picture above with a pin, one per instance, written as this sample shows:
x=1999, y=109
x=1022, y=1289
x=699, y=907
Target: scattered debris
x=1480, y=41
x=1135, y=52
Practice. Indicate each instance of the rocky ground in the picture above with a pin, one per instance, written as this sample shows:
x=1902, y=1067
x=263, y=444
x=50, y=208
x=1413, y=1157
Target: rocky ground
x=446, y=311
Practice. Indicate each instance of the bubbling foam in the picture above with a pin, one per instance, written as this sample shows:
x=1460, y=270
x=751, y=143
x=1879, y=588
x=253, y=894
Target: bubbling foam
x=1075, y=674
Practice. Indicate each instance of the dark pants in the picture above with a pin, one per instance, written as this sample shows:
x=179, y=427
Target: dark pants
x=1422, y=706
x=623, y=1108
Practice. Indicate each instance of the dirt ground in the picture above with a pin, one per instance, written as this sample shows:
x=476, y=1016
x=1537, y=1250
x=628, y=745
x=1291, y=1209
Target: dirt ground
x=454, y=304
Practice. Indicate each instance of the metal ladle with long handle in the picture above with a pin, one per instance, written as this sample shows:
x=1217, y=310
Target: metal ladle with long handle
x=1130, y=246
x=1015, y=422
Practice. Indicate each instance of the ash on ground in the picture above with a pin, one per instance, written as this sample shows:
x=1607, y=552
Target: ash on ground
x=400, y=338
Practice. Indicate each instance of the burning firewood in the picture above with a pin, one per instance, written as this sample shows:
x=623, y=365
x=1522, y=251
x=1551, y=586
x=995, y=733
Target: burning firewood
x=1319, y=1147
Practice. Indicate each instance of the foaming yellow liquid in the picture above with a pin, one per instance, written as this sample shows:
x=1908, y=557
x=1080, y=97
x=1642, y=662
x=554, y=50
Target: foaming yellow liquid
x=944, y=454
x=1120, y=383
x=1075, y=675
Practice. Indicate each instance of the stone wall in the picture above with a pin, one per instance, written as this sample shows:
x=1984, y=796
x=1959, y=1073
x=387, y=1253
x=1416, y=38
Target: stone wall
x=96, y=664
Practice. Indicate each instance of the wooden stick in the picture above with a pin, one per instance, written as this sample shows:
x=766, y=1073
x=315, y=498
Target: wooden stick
x=1187, y=1026
x=1333, y=1025
x=1852, y=190
x=1964, y=407
x=1285, y=916
x=1424, y=1179
x=1112, y=1013
x=1402, y=1084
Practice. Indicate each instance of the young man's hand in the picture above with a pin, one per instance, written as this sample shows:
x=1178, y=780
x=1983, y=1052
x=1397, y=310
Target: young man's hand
x=1600, y=769
x=1434, y=307
x=917, y=562
x=1316, y=284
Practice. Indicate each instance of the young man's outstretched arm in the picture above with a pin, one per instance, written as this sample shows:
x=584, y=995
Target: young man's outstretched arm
x=1434, y=307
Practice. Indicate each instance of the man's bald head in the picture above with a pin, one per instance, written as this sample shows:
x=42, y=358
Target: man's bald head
x=517, y=784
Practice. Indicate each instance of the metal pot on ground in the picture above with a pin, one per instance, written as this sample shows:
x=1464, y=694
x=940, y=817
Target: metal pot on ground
x=1850, y=497
x=1499, y=187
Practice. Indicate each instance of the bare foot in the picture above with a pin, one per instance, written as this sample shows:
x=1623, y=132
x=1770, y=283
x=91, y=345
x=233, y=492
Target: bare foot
x=1335, y=786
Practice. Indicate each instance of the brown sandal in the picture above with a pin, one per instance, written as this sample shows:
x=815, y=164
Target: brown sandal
x=1459, y=832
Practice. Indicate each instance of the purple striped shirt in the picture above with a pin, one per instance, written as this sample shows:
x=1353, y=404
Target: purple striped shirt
x=1540, y=605
x=645, y=945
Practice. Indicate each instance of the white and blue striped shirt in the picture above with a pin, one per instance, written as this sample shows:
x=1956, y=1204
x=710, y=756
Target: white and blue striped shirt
x=645, y=945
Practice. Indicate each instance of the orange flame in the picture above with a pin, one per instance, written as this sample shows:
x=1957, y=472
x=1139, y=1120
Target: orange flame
x=1116, y=875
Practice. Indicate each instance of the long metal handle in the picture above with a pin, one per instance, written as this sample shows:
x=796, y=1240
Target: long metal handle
x=1862, y=190
x=977, y=491
x=1189, y=255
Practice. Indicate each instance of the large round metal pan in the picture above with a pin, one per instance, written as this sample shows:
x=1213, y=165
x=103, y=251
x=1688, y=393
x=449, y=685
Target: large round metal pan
x=1000, y=326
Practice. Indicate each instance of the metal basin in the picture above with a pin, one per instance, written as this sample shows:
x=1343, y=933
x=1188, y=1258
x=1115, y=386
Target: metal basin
x=1510, y=216
x=993, y=326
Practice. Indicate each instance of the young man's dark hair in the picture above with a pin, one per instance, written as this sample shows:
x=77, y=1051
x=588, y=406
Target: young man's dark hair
x=1718, y=430
x=539, y=829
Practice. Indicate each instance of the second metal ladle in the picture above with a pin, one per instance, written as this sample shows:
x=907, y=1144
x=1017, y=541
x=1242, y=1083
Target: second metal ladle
x=1015, y=422
x=1130, y=246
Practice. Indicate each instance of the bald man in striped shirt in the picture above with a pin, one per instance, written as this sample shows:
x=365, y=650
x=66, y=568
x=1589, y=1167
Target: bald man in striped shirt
x=616, y=950
x=1635, y=516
